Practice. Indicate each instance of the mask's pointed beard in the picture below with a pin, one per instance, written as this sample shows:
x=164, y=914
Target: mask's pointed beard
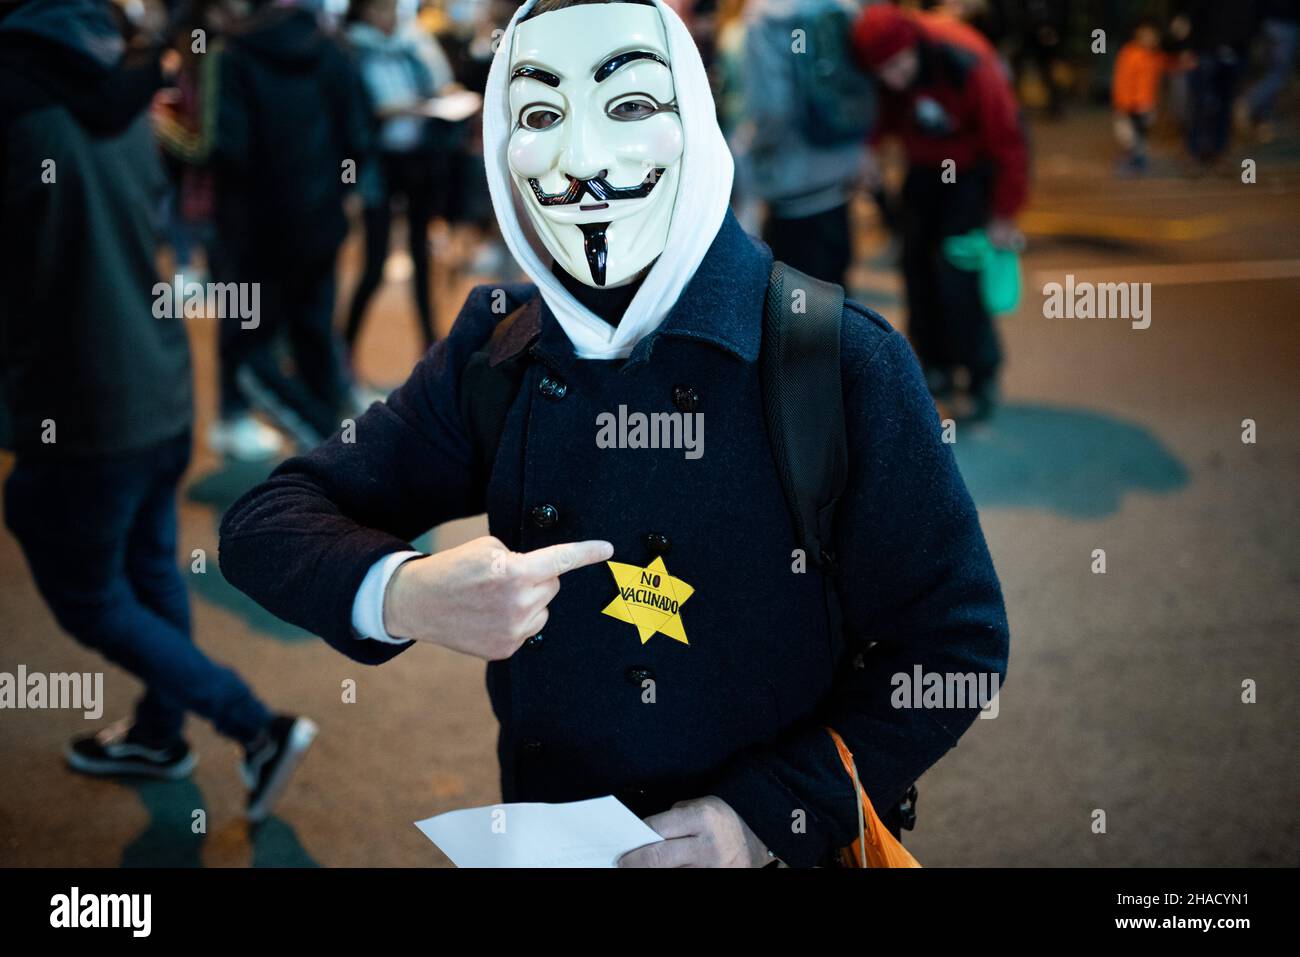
x=596, y=248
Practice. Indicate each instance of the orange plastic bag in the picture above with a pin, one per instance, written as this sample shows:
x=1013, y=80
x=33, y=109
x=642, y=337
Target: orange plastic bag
x=875, y=846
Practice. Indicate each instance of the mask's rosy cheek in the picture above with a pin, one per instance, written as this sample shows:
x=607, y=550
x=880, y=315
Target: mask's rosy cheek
x=654, y=142
x=532, y=154
x=668, y=141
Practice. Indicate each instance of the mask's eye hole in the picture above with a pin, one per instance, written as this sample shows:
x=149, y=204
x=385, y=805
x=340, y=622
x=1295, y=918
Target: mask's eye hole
x=539, y=118
x=632, y=109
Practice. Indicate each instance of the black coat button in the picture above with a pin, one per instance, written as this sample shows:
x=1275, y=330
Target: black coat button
x=639, y=675
x=530, y=745
x=657, y=544
x=545, y=516
x=552, y=388
x=685, y=398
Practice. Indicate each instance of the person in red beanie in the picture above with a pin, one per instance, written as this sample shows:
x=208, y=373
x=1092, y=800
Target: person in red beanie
x=946, y=96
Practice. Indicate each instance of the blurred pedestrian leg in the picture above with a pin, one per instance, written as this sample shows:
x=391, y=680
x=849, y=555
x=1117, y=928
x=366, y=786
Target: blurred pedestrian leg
x=412, y=177
x=287, y=365
x=947, y=321
x=820, y=245
x=99, y=534
x=1211, y=86
x=1282, y=37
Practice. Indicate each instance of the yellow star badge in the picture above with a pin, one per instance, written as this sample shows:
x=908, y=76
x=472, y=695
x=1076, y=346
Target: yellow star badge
x=649, y=598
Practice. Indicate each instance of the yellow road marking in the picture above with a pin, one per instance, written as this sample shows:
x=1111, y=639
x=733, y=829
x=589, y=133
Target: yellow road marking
x=1108, y=226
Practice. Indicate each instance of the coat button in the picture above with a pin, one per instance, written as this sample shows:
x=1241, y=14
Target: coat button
x=530, y=745
x=685, y=398
x=552, y=388
x=657, y=544
x=639, y=675
x=545, y=516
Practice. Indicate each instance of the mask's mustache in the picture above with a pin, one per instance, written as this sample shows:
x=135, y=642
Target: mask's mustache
x=598, y=188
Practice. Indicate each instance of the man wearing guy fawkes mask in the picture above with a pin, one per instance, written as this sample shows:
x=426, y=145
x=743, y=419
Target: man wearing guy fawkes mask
x=694, y=674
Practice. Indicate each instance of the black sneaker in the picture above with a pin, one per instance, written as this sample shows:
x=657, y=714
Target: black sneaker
x=271, y=762
x=117, y=750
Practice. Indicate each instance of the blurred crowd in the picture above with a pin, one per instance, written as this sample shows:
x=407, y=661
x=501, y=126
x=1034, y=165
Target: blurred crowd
x=281, y=125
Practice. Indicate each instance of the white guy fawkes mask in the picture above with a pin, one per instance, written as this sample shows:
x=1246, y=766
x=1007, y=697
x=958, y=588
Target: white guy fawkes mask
x=595, y=141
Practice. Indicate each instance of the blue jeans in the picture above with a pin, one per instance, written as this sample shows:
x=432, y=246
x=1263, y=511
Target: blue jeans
x=1283, y=37
x=99, y=534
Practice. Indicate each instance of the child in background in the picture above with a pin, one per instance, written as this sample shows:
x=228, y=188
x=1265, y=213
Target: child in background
x=1135, y=91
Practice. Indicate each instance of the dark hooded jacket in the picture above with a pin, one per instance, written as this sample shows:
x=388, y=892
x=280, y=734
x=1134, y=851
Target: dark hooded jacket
x=80, y=193
x=291, y=112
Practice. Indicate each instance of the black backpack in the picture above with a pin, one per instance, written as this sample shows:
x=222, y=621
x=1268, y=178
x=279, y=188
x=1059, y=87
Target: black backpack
x=803, y=404
x=837, y=100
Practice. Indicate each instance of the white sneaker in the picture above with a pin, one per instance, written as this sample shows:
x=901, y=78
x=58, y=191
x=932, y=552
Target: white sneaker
x=268, y=769
x=245, y=439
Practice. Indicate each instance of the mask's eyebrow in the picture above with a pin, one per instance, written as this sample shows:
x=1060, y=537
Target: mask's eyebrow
x=535, y=73
x=620, y=60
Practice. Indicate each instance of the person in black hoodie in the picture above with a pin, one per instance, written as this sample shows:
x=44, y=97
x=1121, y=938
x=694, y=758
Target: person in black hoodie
x=98, y=391
x=291, y=123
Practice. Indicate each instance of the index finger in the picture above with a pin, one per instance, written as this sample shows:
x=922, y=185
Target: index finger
x=554, y=560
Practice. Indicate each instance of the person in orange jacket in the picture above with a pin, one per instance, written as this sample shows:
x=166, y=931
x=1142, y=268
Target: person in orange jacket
x=1135, y=90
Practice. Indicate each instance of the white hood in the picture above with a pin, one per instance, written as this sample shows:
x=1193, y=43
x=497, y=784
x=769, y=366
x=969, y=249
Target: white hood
x=701, y=203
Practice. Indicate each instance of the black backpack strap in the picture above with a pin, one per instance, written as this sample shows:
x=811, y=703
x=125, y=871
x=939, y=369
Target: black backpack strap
x=803, y=401
x=804, y=404
x=491, y=380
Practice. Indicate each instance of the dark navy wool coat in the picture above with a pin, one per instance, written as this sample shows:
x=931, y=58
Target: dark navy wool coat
x=740, y=710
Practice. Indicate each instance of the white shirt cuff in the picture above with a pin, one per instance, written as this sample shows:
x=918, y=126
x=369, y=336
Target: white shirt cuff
x=368, y=605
